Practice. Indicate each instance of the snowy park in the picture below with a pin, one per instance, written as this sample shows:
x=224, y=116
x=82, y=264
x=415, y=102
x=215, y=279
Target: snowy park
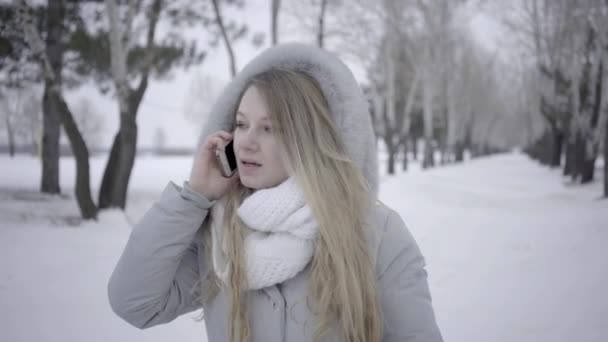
x=488, y=120
x=514, y=253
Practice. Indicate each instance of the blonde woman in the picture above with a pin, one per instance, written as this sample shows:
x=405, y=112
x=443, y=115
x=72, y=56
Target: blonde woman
x=294, y=246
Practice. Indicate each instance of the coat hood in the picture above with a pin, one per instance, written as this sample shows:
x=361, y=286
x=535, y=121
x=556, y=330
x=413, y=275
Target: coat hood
x=348, y=105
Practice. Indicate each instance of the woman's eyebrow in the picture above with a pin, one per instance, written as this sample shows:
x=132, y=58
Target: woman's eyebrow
x=266, y=118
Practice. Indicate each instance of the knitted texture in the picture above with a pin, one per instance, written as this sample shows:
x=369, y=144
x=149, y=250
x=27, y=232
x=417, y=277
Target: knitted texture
x=279, y=239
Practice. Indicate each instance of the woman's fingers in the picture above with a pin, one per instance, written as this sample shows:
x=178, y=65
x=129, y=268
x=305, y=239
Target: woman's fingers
x=218, y=140
x=225, y=135
x=214, y=143
x=222, y=135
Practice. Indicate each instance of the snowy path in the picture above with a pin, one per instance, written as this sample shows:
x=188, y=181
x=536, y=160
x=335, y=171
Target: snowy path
x=513, y=253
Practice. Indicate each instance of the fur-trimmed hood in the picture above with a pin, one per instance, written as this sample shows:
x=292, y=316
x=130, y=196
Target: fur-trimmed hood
x=348, y=105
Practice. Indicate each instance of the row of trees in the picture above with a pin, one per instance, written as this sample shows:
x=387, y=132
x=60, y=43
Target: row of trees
x=566, y=53
x=431, y=80
x=428, y=79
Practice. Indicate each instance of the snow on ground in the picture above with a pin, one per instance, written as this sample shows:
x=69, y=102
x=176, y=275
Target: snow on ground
x=514, y=252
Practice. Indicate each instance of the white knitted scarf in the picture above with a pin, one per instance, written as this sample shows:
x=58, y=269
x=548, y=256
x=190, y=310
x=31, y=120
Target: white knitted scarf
x=279, y=241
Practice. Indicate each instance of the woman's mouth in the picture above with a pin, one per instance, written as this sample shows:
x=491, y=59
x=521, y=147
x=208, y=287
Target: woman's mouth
x=249, y=165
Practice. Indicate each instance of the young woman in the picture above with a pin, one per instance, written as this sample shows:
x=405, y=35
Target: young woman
x=294, y=246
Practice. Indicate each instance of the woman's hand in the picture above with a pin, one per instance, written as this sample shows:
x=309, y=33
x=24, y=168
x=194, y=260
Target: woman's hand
x=206, y=176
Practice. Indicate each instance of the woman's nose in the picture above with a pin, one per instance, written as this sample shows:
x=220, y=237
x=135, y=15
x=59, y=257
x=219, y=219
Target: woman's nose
x=250, y=140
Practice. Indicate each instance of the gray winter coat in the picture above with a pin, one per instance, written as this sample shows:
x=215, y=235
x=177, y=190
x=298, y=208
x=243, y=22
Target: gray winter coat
x=153, y=280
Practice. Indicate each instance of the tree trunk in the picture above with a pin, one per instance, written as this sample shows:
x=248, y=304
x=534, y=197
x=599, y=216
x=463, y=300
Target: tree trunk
x=570, y=157
x=109, y=175
x=588, y=165
x=389, y=132
x=51, y=118
x=467, y=142
x=10, y=135
x=545, y=148
x=321, y=32
x=474, y=150
x=88, y=210
x=11, y=147
x=578, y=151
x=126, y=156
x=115, y=181
x=583, y=150
x=404, y=146
x=459, y=152
x=51, y=64
x=220, y=23
x=556, y=149
x=128, y=146
x=405, y=133
x=415, y=148
x=587, y=170
x=606, y=159
x=444, y=151
x=444, y=128
x=274, y=15
x=428, y=158
x=50, y=145
x=390, y=148
x=583, y=165
x=548, y=149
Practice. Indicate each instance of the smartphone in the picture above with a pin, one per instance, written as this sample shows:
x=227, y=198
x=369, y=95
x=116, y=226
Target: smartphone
x=227, y=159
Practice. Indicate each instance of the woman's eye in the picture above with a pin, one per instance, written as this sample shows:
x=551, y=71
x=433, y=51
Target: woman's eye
x=239, y=125
x=267, y=129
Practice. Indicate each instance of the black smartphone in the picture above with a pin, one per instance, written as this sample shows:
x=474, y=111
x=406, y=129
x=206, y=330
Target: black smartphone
x=227, y=159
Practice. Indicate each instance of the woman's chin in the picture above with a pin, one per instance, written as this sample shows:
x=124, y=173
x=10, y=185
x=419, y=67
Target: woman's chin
x=250, y=183
x=257, y=184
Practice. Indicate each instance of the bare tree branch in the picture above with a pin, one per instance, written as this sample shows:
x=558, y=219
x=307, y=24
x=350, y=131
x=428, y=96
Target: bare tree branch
x=220, y=23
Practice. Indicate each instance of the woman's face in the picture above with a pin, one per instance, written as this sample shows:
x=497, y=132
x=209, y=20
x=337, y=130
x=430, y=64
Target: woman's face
x=256, y=146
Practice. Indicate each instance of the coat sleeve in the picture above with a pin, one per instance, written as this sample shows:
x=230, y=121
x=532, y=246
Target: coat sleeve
x=153, y=280
x=404, y=292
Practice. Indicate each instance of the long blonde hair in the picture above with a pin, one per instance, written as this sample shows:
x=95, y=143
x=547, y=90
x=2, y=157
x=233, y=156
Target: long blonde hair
x=342, y=284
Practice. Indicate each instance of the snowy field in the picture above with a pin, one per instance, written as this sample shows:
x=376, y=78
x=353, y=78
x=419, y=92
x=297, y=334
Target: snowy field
x=515, y=253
